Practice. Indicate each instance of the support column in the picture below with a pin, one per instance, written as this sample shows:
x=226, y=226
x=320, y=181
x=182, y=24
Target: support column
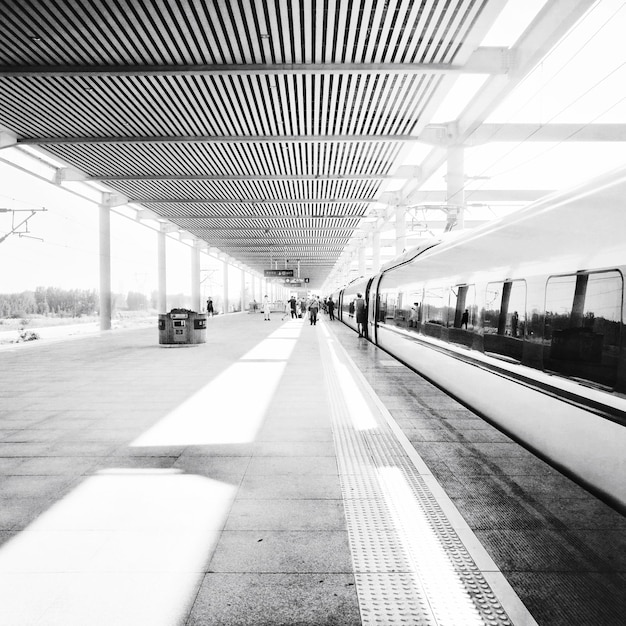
x=196, y=304
x=375, y=252
x=105, y=267
x=400, y=229
x=162, y=304
x=362, y=259
x=243, y=290
x=225, y=288
x=455, y=187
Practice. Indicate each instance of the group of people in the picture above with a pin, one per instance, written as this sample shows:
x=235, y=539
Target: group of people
x=300, y=308
x=311, y=306
x=303, y=308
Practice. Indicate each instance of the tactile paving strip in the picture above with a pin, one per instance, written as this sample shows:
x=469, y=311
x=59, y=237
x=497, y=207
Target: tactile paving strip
x=410, y=565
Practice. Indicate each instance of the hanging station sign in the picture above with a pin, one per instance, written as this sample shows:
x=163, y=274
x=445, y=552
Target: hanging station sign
x=277, y=273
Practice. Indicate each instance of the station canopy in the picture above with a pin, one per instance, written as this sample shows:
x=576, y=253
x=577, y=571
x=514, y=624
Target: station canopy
x=284, y=133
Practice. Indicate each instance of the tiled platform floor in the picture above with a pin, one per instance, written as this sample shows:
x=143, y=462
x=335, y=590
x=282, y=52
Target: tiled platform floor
x=562, y=550
x=141, y=484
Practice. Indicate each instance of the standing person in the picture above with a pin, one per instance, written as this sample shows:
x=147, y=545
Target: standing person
x=313, y=309
x=266, y=307
x=302, y=308
x=286, y=310
x=331, y=308
x=209, y=307
x=292, y=304
x=359, y=310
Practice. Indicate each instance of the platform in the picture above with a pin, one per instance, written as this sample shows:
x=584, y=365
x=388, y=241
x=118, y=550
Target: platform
x=281, y=473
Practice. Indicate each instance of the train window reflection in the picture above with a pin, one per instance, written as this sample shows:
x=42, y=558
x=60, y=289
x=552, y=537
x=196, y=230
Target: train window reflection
x=583, y=326
x=435, y=306
x=504, y=319
x=462, y=315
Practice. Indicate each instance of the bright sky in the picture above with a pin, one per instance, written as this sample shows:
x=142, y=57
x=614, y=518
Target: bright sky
x=68, y=256
x=581, y=82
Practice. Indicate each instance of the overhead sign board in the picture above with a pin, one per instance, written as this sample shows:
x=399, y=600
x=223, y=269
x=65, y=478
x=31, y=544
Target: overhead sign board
x=274, y=273
x=296, y=280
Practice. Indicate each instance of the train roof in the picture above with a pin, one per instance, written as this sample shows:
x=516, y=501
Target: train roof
x=581, y=227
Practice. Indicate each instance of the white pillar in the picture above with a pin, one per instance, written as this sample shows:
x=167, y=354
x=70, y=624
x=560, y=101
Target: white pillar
x=225, y=287
x=362, y=259
x=105, y=267
x=455, y=185
x=196, y=304
x=243, y=290
x=375, y=252
x=400, y=229
x=162, y=304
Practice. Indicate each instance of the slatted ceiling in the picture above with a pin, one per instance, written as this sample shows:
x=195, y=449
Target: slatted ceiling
x=247, y=189
x=213, y=159
x=134, y=33
x=216, y=32
x=210, y=105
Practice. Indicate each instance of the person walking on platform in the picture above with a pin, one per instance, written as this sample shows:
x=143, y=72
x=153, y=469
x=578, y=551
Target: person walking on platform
x=292, y=305
x=266, y=308
x=302, y=308
x=313, y=309
x=331, y=308
x=359, y=310
x=286, y=311
x=209, y=307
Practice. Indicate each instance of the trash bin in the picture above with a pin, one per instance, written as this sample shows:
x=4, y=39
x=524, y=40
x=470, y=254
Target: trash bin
x=182, y=327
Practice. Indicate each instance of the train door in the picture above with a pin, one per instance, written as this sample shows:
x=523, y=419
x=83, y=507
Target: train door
x=373, y=300
x=368, y=307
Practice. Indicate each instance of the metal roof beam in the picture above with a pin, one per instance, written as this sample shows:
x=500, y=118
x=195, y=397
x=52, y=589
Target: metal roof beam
x=280, y=216
x=273, y=229
x=480, y=196
x=262, y=201
x=250, y=177
x=218, y=139
x=489, y=133
x=283, y=246
x=483, y=61
x=551, y=24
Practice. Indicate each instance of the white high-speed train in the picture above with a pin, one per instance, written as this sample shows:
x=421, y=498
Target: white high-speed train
x=522, y=320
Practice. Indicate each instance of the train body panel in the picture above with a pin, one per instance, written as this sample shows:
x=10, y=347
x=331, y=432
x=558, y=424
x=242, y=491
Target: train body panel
x=556, y=430
x=523, y=321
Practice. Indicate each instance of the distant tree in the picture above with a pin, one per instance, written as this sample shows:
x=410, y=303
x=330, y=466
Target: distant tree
x=136, y=301
x=17, y=305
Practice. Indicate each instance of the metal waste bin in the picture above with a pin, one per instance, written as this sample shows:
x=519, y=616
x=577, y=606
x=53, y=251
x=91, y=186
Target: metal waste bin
x=182, y=327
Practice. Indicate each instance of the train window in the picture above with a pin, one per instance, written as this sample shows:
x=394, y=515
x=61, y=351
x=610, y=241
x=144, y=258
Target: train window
x=435, y=306
x=491, y=312
x=463, y=306
x=435, y=311
x=582, y=326
x=415, y=309
x=504, y=318
x=462, y=315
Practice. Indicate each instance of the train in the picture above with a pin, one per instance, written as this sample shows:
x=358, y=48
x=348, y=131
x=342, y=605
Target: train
x=522, y=321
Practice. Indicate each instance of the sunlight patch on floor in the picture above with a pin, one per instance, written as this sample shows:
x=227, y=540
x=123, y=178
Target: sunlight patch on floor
x=231, y=408
x=360, y=412
x=125, y=547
